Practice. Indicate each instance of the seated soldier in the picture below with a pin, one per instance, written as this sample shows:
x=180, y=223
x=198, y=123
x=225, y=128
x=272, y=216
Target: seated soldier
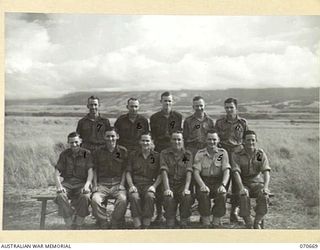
x=251, y=171
x=75, y=167
x=109, y=180
x=211, y=172
x=143, y=177
x=176, y=170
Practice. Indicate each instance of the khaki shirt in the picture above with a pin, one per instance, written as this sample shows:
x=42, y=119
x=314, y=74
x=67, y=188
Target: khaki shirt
x=92, y=130
x=176, y=166
x=211, y=165
x=231, y=131
x=195, y=131
x=143, y=171
x=110, y=164
x=162, y=127
x=250, y=168
x=74, y=168
x=130, y=132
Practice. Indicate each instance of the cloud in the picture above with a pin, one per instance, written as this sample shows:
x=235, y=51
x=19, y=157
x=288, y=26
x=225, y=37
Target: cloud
x=49, y=55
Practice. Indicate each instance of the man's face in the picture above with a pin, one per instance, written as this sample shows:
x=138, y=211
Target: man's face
x=177, y=141
x=74, y=143
x=93, y=106
x=212, y=140
x=111, y=138
x=230, y=108
x=250, y=142
x=145, y=142
x=133, y=107
x=198, y=106
x=166, y=102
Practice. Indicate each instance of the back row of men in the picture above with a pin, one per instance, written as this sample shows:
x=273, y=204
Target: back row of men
x=126, y=159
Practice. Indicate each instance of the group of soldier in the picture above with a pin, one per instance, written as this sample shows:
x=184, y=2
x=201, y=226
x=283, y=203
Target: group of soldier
x=166, y=165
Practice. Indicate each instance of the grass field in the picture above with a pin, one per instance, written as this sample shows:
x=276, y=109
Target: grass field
x=33, y=144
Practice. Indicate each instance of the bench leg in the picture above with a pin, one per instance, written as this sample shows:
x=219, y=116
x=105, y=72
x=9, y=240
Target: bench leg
x=43, y=214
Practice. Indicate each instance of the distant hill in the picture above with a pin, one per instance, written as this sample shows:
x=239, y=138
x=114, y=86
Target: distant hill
x=271, y=96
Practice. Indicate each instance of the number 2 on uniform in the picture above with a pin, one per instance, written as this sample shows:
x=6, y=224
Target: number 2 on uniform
x=139, y=126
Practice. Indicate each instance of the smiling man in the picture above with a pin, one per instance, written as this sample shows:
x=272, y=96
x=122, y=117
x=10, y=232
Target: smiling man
x=176, y=170
x=143, y=177
x=131, y=126
x=251, y=171
x=196, y=126
x=75, y=167
x=92, y=127
x=230, y=129
x=212, y=172
x=109, y=180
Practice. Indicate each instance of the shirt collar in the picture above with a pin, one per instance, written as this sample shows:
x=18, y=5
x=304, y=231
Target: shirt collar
x=88, y=117
x=205, y=116
x=232, y=121
x=80, y=152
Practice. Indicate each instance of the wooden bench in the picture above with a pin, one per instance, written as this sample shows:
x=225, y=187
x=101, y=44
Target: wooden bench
x=44, y=199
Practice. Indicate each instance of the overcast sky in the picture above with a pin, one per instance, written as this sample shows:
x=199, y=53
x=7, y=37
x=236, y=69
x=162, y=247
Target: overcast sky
x=48, y=55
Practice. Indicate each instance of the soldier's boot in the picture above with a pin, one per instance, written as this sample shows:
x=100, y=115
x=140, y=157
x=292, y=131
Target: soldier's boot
x=216, y=222
x=234, y=218
x=248, y=222
x=184, y=222
x=258, y=222
x=146, y=223
x=136, y=222
x=170, y=223
x=205, y=220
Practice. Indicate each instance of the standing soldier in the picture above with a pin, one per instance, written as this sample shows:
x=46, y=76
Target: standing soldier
x=92, y=127
x=230, y=130
x=211, y=170
x=251, y=171
x=176, y=170
x=143, y=177
x=75, y=167
x=109, y=179
x=131, y=126
x=162, y=124
x=196, y=127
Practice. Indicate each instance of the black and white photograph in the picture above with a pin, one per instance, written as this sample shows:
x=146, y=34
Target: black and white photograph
x=143, y=122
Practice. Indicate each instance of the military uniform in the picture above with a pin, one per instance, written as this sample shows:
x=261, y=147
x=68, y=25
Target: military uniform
x=177, y=167
x=211, y=170
x=109, y=168
x=231, y=133
x=130, y=132
x=195, y=132
x=162, y=127
x=231, y=136
x=74, y=170
x=92, y=131
x=144, y=173
x=250, y=170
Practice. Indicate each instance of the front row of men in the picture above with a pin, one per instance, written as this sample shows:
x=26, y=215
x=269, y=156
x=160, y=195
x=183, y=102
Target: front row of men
x=110, y=172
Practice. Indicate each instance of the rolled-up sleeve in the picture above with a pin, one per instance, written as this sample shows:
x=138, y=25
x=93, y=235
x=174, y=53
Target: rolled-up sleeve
x=225, y=161
x=163, y=162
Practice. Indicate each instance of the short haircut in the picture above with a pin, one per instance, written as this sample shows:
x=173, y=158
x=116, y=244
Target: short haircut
x=177, y=131
x=148, y=134
x=167, y=93
x=93, y=97
x=231, y=100
x=131, y=99
x=249, y=132
x=73, y=134
x=111, y=129
x=212, y=131
x=197, y=98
